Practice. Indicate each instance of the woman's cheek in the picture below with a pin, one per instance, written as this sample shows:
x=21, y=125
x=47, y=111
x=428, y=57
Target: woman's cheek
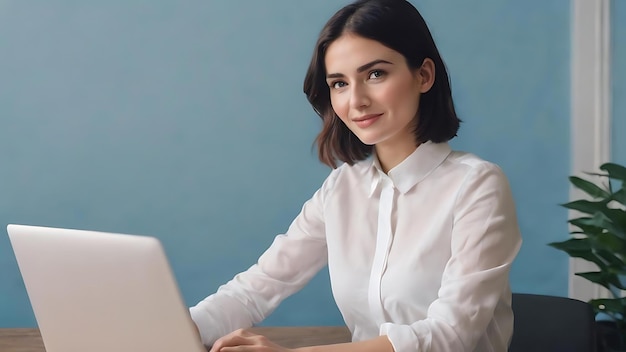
x=340, y=108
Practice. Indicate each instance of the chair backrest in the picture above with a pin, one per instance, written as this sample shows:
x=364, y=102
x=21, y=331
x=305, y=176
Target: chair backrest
x=552, y=324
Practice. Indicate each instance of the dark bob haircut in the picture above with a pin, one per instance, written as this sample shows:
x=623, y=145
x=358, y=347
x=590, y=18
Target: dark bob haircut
x=399, y=26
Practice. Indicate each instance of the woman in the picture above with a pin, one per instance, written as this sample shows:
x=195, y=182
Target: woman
x=418, y=239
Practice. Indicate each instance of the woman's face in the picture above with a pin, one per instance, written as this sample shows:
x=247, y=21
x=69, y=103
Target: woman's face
x=373, y=90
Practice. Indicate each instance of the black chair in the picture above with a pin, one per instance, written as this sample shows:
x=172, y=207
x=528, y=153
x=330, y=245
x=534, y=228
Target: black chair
x=552, y=324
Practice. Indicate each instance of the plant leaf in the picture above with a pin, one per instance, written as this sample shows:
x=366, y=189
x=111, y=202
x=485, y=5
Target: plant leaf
x=588, y=187
x=615, y=171
x=597, y=220
x=619, y=271
x=611, y=305
x=601, y=220
x=597, y=277
x=620, y=196
x=573, y=244
x=603, y=278
x=586, y=206
x=579, y=248
x=614, y=263
x=617, y=217
x=583, y=225
x=609, y=242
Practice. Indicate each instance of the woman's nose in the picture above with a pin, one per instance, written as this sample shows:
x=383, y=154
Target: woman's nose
x=359, y=97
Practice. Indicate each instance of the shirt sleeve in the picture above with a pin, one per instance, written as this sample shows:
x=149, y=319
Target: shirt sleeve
x=283, y=269
x=485, y=240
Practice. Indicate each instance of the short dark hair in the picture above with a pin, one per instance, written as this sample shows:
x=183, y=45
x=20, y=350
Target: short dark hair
x=399, y=26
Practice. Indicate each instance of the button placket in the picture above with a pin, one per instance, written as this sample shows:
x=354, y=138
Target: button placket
x=383, y=245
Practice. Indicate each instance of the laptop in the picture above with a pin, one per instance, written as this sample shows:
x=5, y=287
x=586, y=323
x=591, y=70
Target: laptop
x=102, y=292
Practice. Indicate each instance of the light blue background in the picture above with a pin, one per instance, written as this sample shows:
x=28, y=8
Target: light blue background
x=186, y=121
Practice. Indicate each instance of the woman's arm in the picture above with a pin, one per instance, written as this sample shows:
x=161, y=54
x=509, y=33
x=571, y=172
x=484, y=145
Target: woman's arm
x=244, y=341
x=285, y=267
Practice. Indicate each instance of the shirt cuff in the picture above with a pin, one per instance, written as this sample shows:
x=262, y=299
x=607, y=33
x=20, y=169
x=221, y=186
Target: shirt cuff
x=203, y=323
x=402, y=337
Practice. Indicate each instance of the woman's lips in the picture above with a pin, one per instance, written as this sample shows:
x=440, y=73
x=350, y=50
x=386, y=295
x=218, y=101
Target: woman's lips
x=367, y=120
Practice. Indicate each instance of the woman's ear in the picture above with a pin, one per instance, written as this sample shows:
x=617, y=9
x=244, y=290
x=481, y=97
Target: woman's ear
x=427, y=74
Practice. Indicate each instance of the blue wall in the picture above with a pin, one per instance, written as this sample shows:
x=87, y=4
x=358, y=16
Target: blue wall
x=187, y=122
x=618, y=80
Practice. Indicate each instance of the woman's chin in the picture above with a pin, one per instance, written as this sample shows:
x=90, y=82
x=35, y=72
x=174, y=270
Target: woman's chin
x=368, y=140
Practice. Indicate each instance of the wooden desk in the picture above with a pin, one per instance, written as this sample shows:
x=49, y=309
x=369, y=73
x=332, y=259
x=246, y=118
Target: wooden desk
x=29, y=340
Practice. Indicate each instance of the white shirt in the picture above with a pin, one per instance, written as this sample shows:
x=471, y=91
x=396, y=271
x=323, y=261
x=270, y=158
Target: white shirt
x=421, y=254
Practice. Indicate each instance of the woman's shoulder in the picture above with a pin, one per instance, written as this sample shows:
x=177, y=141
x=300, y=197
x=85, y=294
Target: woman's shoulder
x=468, y=165
x=470, y=161
x=356, y=169
x=348, y=173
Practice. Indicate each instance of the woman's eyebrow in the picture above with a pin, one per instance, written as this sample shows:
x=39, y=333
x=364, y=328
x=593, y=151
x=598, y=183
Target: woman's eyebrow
x=360, y=69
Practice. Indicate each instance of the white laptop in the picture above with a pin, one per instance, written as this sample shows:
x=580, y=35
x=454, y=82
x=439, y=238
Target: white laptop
x=102, y=292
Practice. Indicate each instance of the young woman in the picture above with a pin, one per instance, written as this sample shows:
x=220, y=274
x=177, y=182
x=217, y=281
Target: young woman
x=418, y=239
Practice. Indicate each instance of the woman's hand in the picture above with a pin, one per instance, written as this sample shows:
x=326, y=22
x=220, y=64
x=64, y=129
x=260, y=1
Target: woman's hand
x=244, y=341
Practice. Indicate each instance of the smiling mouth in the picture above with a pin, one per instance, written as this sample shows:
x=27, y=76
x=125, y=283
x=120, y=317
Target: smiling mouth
x=367, y=120
x=366, y=117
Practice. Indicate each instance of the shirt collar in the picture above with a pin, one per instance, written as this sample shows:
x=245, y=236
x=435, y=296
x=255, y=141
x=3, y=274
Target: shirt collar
x=419, y=164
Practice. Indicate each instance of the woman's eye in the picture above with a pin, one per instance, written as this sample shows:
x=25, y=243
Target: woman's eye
x=376, y=74
x=338, y=84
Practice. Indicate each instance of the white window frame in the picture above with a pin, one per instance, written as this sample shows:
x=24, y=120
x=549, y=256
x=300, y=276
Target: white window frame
x=590, y=111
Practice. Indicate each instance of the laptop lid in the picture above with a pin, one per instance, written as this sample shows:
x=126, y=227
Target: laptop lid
x=95, y=291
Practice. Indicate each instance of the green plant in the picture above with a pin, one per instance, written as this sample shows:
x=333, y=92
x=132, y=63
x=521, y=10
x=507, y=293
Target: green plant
x=599, y=236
